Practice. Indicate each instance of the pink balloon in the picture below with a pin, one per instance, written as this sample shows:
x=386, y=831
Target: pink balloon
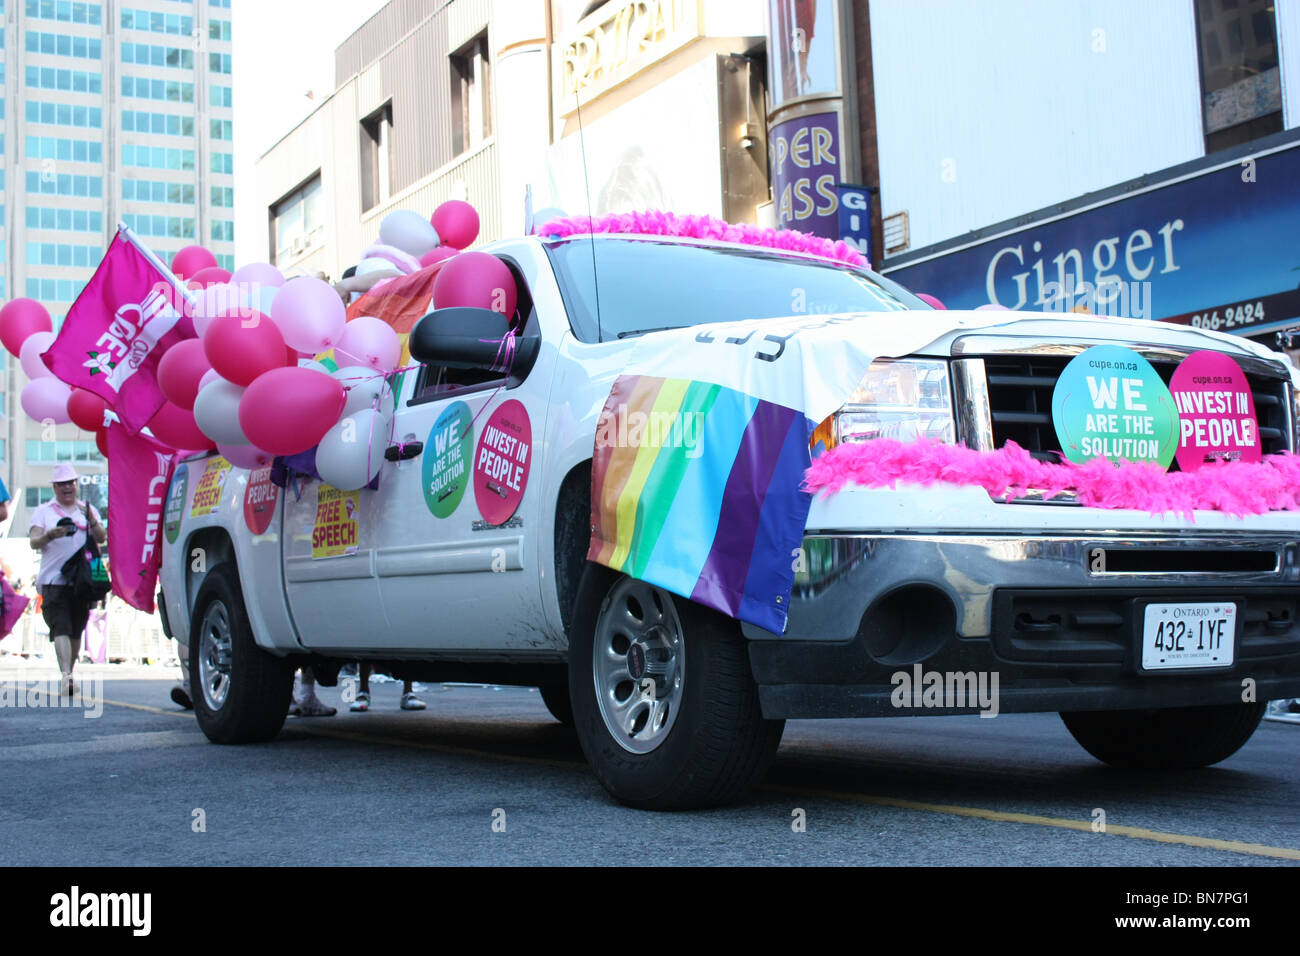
x=257, y=273
x=241, y=349
x=86, y=409
x=244, y=456
x=175, y=426
x=930, y=300
x=213, y=301
x=437, y=255
x=213, y=275
x=476, y=280
x=179, y=371
x=288, y=410
x=30, y=354
x=369, y=342
x=210, y=376
x=18, y=320
x=46, y=398
x=191, y=260
x=310, y=314
x=456, y=223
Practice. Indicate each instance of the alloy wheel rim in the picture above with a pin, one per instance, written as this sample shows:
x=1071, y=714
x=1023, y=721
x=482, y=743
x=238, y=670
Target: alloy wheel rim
x=214, y=655
x=638, y=665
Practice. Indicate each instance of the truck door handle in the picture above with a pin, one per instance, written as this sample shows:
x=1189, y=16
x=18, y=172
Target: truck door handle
x=403, y=451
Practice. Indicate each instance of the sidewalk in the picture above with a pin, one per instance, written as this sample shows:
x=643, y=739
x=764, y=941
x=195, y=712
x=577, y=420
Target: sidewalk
x=15, y=667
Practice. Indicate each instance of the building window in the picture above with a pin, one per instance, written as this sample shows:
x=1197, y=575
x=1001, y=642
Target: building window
x=296, y=221
x=1240, y=84
x=471, y=95
x=38, y=496
x=377, y=157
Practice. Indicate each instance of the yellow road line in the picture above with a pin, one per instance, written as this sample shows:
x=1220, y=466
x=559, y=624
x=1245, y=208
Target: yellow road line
x=150, y=710
x=999, y=816
x=1064, y=823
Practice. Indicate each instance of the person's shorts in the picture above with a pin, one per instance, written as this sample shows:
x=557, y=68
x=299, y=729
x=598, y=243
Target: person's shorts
x=63, y=614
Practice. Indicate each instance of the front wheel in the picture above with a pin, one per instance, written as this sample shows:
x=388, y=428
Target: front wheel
x=240, y=692
x=664, y=703
x=1178, y=738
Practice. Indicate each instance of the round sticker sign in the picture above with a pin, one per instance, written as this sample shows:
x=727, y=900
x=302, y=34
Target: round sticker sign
x=175, y=506
x=1110, y=403
x=501, y=462
x=259, y=500
x=1216, y=411
x=447, y=459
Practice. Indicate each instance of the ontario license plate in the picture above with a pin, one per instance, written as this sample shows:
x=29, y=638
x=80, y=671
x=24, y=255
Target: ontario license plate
x=1188, y=635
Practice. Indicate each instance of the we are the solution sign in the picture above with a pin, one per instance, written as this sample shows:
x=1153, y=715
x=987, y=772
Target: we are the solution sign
x=1110, y=403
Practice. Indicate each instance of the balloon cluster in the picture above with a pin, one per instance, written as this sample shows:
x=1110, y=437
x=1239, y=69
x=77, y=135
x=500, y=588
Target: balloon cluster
x=247, y=379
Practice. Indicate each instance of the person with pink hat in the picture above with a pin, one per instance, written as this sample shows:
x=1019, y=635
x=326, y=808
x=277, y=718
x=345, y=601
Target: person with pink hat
x=58, y=531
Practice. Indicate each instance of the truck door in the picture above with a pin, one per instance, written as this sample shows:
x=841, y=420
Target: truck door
x=329, y=564
x=457, y=517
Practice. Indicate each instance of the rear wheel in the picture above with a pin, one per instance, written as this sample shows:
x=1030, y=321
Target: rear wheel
x=240, y=692
x=664, y=703
x=1178, y=738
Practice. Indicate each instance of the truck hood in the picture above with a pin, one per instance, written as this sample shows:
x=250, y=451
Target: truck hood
x=1088, y=330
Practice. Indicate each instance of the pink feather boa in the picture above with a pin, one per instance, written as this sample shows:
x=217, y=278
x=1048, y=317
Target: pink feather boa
x=656, y=223
x=1238, y=488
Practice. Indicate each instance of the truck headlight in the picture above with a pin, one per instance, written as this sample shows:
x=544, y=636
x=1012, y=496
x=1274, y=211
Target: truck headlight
x=903, y=399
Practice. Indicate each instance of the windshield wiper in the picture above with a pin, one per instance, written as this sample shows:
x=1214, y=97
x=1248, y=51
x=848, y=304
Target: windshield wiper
x=631, y=332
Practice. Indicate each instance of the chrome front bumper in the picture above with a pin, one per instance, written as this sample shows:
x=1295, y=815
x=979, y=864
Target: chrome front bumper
x=846, y=573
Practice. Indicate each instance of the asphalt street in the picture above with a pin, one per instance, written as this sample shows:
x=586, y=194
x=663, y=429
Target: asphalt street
x=486, y=777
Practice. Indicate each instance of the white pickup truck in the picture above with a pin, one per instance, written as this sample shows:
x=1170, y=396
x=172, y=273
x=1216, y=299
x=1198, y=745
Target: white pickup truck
x=677, y=705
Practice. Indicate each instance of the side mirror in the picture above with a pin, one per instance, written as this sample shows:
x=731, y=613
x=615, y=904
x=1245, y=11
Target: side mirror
x=470, y=339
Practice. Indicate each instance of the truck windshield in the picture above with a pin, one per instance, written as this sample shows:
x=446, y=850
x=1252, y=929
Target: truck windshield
x=646, y=285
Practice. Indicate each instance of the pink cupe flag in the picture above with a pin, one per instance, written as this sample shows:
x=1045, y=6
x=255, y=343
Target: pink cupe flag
x=118, y=329
x=139, y=469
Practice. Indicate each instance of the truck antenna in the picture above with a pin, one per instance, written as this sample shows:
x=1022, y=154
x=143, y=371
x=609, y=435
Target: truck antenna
x=591, y=234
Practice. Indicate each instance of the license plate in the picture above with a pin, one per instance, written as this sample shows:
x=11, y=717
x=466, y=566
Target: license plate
x=1188, y=635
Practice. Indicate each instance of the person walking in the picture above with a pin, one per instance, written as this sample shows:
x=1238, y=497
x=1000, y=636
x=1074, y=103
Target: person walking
x=58, y=531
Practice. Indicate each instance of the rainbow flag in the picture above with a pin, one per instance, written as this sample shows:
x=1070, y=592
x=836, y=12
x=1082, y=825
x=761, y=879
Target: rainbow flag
x=696, y=489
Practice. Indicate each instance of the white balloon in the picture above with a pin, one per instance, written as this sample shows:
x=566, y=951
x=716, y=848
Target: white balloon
x=216, y=412
x=363, y=385
x=376, y=264
x=407, y=230
x=543, y=216
x=351, y=453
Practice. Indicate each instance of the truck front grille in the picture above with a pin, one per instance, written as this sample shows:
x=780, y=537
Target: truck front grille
x=1020, y=402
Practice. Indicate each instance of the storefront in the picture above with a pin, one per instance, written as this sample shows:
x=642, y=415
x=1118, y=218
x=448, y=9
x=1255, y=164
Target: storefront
x=1211, y=243
x=812, y=123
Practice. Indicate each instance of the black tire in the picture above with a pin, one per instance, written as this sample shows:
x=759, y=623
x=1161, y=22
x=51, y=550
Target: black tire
x=246, y=702
x=718, y=746
x=556, y=698
x=1177, y=738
